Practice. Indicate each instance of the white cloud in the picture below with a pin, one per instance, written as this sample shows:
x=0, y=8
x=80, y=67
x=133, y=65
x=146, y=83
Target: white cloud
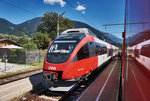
x=80, y=7
x=83, y=12
x=52, y=2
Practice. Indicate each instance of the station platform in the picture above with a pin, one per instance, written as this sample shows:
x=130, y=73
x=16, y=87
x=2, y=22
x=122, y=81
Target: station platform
x=137, y=82
x=16, y=88
x=106, y=86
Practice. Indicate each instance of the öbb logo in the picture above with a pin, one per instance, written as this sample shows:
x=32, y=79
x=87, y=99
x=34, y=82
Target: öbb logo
x=51, y=68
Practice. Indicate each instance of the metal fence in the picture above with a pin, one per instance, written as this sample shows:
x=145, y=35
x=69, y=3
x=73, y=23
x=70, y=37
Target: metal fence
x=10, y=60
x=34, y=56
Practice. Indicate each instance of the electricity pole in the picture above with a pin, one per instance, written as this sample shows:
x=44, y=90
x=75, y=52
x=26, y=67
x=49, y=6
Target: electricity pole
x=58, y=15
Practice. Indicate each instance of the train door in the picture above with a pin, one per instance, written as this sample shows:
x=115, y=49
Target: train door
x=91, y=49
x=92, y=54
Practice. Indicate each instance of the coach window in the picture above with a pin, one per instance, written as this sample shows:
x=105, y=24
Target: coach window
x=105, y=50
x=83, y=53
x=110, y=52
x=101, y=50
x=96, y=49
x=145, y=50
x=136, y=53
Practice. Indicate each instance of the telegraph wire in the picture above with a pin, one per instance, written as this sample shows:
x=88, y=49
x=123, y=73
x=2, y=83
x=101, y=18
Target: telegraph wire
x=82, y=14
x=13, y=5
x=25, y=10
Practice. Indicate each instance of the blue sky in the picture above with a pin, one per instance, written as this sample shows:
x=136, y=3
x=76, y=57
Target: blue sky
x=98, y=12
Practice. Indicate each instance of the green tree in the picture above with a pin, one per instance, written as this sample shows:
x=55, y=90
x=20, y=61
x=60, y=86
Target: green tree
x=41, y=40
x=23, y=40
x=30, y=46
x=20, y=40
x=49, y=24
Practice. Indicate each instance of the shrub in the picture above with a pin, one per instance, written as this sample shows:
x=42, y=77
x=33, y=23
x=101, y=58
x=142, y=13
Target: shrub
x=4, y=59
x=30, y=46
x=17, y=56
x=42, y=41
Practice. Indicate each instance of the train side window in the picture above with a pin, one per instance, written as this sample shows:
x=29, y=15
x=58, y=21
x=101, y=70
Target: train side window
x=105, y=50
x=97, y=50
x=83, y=53
x=136, y=53
x=100, y=49
x=109, y=54
x=145, y=50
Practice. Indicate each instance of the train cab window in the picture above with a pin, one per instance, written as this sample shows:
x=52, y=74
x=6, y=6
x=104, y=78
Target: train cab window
x=145, y=50
x=60, y=50
x=83, y=53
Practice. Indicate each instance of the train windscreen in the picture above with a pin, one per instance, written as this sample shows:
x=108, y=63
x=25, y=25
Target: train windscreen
x=62, y=47
x=60, y=50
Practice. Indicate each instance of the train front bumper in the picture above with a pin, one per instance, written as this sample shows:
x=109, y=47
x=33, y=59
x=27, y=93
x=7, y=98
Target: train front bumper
x=52, y=80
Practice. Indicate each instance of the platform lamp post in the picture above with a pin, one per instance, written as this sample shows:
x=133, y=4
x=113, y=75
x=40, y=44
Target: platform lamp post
x=58, y=15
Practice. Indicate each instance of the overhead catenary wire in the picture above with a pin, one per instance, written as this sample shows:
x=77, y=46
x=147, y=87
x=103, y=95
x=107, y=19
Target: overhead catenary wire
x=33, y=13
x=85, y=16
x=18, y=7
x=81, y=14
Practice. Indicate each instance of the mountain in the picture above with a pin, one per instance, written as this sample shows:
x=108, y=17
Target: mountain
x=26, y=28
x=138, y=38
x=101, y=35
x=29, y=28
x=114, y=38
x=6, y=26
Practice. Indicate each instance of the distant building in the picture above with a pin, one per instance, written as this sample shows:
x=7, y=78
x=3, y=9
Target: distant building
x=6, y=42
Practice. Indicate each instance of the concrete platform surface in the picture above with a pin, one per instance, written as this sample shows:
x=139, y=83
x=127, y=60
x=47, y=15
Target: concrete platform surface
x=106, y=86
x=16, y=88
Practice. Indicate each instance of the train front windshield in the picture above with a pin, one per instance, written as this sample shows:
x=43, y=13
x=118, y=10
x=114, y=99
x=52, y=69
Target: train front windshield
x=60, y=50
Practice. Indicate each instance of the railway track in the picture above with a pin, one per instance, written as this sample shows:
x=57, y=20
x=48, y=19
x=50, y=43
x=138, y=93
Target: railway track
x=72, y=95
x=39, y=93
x=8, y=79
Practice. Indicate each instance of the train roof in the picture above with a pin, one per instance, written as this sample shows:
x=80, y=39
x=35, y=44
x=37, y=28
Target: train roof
x=78, y=31
x=85, y=31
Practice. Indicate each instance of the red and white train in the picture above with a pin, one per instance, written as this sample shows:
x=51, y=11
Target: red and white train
x=141, y=53
x=75, y=54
